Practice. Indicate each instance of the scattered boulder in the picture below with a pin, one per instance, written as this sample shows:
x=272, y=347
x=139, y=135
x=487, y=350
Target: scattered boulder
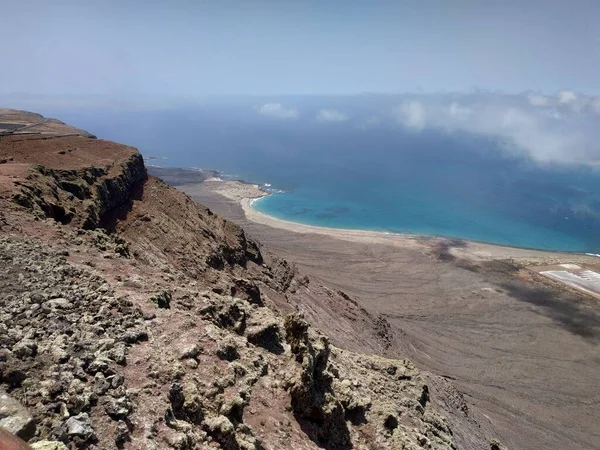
x=59, y=304
x=247, y=290
x=226, y=313
x=190, y=351
x=122, y=434
x=25, y=348
x=134, y=336
x=79, y=426
x=15, y=418
x=222, y=430
x=118, y=408
x=355, y=405
x=102, y=365
x=266, y=335
x=185, y=403
x=496, y=445
x=101, y=384
x=162, y=299
x=228, y=350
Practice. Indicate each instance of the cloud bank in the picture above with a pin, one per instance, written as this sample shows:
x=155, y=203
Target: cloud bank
x=331, y=115
x=278, y=111
x=563, y=128
x=559, y=128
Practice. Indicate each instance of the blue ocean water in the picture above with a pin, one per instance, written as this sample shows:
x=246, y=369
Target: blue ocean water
x=464, y=194
x=386, y=179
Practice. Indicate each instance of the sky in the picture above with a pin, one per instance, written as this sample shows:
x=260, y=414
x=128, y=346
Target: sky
x=561, y=127
x=192, y=48
x=524, y=72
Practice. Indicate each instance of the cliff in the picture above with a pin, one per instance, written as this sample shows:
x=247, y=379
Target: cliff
x=133, y=317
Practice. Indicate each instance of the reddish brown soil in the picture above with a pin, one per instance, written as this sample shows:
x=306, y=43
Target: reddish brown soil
x=161, y=240
x=67, y=153
x=523, y=350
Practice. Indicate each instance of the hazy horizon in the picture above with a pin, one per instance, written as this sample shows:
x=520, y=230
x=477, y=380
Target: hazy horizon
x=260, y=47
x=559, y=128
x=523, y=73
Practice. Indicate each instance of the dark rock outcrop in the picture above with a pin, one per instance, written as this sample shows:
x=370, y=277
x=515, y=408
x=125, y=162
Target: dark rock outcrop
x=134, y=317
x=312, y=396
x=89, y=196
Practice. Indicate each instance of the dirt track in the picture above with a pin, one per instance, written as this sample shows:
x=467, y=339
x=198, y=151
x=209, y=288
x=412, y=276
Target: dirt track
x=523, y=350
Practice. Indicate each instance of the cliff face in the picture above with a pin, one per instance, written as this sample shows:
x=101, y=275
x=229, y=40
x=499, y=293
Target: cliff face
x=134, y=317
x=73, y=179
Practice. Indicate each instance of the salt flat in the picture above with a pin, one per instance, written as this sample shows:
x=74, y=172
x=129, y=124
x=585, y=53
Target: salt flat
x=574, y=276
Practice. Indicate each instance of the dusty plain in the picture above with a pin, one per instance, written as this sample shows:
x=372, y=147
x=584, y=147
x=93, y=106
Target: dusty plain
x=522, y=348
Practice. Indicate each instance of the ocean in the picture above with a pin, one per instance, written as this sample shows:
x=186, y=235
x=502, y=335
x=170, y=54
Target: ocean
x=370, y=177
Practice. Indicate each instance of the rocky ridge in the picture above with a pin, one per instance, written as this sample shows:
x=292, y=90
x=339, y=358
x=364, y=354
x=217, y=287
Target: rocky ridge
x=133, y=317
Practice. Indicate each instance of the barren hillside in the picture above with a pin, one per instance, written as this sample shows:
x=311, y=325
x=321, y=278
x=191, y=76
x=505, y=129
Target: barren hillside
x=133, y=317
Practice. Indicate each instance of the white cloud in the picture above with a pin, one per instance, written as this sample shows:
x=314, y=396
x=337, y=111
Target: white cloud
x=545, y=134
x=566, y=97
x=412, y=114
x=331, y=115
x=572, y=100
x=595, y=105
x=277, y=110
x=538, y=100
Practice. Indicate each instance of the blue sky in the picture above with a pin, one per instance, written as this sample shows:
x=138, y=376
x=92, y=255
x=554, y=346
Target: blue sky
x=258, y=47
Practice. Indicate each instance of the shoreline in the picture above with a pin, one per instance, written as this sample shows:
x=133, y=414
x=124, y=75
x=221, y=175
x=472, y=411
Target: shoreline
x=245, y=194
x=464, y=310
x=288, y=225
x=257, y=216
x=341, y=233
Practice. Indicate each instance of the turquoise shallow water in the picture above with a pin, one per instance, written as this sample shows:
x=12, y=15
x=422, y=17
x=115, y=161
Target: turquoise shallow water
x=484, y=197
x=383, y=179
x=426, y=219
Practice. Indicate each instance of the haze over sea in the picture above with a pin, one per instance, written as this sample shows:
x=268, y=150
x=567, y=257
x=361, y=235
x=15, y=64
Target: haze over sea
x=350, y=166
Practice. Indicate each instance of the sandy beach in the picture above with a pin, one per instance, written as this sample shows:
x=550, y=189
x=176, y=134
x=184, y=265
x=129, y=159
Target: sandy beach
x=351, y=235
x=521, y=348
x=246, y=194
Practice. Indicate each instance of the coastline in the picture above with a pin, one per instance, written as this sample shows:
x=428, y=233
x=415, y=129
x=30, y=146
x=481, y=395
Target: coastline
x=257, y=216
x=245, y=194
x=340, y=233
x=461, y=309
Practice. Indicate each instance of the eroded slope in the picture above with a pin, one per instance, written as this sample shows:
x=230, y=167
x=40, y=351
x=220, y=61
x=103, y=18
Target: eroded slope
x=171, y=329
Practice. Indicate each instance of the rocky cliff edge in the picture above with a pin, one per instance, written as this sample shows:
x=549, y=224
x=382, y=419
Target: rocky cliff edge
x=133, y=317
